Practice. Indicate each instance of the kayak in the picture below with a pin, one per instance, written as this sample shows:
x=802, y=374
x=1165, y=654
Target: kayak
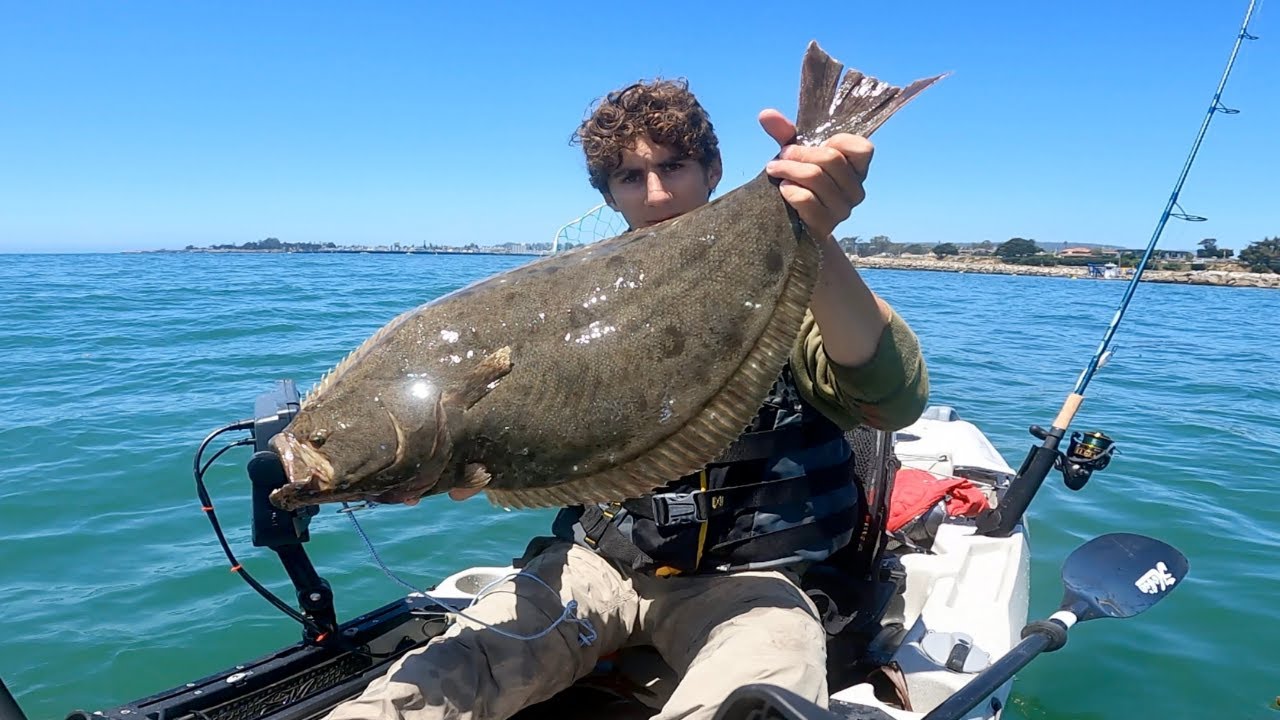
x=913, y=610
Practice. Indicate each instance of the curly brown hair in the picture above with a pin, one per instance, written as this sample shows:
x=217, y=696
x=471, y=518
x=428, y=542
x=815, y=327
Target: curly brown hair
x=663, y=110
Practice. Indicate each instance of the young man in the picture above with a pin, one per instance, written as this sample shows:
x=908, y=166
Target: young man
x=705, y=572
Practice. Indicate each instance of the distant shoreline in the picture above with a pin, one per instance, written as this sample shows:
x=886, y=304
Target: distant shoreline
x=991, y=266
x=412, y=251
x=980, y=265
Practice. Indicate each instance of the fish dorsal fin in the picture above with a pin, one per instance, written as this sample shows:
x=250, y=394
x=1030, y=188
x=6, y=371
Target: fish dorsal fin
x=335, y=374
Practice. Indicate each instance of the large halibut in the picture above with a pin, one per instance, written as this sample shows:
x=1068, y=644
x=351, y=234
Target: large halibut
x=594, y=375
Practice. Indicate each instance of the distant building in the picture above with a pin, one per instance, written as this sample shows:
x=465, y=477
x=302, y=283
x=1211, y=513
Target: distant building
x=1086, y=252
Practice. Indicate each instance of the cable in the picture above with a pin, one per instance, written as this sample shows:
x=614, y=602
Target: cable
x=207, y=505
x=586, y=634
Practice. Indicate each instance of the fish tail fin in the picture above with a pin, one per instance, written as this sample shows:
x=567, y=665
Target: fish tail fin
x=856, y=104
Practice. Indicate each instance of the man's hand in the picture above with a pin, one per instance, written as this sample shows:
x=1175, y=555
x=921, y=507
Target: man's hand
x=822, y=183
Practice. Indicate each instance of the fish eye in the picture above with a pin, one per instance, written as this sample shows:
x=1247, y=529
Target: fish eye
x=318, y=437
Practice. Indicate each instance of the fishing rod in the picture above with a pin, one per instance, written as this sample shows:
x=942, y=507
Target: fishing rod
x=1092, y=451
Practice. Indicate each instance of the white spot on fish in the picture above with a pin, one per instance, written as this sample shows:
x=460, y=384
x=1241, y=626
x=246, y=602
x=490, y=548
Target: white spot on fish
x=455, y=359
x=542, y=316
x=420, y=390
x=492, y=385
x=568, y=337
x=595, y=331
x=471, y=353
x=666, y=412
x=618, y=283
x=449, y=336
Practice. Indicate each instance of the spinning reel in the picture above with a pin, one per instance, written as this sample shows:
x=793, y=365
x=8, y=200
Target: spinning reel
x=1086, y=454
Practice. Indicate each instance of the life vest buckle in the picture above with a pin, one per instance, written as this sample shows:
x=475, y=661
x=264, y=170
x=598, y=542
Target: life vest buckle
x=678, y=508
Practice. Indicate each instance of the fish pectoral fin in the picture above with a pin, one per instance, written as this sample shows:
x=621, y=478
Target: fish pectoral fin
x=475, y=476
x=481, y=378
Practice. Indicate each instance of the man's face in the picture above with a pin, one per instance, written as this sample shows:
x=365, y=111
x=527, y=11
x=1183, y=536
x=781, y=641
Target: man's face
x=652, y=184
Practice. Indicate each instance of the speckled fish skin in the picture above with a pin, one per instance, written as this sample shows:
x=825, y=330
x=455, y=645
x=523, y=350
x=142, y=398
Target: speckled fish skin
x=593, y=375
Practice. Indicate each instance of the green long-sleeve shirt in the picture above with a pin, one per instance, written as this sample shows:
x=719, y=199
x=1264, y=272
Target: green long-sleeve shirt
x=887, y=392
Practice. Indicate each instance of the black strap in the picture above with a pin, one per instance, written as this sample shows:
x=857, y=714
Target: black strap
x=762, y=445
x=602, y=535
x=667, y=509
x=778, y=544
x=766, y=444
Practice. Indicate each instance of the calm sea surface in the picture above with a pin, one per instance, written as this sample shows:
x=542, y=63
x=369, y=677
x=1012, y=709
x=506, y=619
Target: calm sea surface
x=116, y=366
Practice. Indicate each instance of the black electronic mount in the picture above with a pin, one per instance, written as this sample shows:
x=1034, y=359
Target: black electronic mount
x=285, y=531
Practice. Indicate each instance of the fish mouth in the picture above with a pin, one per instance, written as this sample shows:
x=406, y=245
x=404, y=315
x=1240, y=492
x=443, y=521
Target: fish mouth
x=302, y=464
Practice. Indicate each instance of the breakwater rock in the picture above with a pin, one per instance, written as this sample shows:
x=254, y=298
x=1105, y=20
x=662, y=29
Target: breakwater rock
x=1223, y=278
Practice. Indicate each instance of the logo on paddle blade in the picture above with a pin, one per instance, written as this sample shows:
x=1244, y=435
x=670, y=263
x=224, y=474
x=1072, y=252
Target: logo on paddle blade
x=1155, y=580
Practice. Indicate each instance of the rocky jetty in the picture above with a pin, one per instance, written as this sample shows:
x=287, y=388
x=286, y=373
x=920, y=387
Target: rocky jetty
x=1223, y=278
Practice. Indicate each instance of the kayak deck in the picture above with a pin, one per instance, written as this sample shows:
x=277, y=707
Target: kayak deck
x=963, y=591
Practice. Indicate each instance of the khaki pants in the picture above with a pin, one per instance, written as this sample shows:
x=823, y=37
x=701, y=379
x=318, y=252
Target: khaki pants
x=718, y=632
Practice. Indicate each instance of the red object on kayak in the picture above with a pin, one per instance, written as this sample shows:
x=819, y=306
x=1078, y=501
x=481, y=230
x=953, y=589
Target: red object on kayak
x=915, y=491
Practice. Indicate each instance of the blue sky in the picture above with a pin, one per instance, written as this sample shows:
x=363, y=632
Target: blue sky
x=150, y=125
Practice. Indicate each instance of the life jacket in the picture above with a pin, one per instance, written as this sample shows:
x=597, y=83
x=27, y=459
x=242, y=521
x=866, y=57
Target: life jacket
x=784, y=492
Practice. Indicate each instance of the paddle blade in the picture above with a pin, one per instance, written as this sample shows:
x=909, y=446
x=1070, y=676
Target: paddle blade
x=1120, y=575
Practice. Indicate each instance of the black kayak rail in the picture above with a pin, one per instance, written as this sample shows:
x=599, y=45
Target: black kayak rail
x=9, y=708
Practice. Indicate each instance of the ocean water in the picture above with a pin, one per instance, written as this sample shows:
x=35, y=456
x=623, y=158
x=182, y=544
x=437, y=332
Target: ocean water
x=116, y=366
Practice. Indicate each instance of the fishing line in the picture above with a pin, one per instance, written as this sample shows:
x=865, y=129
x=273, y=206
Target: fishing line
x=585, y=637
x=1002, y=520
x=1215, y=106
x=586, y=634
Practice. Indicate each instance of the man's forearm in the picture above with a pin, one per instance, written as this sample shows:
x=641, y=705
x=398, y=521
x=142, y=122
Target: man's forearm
x=850, y=316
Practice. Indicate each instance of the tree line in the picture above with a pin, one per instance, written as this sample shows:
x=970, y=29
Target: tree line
x=271, y=244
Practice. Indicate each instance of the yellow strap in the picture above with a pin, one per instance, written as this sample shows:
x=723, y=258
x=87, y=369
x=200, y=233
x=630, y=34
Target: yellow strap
x=667, y=570
x=702, y=531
